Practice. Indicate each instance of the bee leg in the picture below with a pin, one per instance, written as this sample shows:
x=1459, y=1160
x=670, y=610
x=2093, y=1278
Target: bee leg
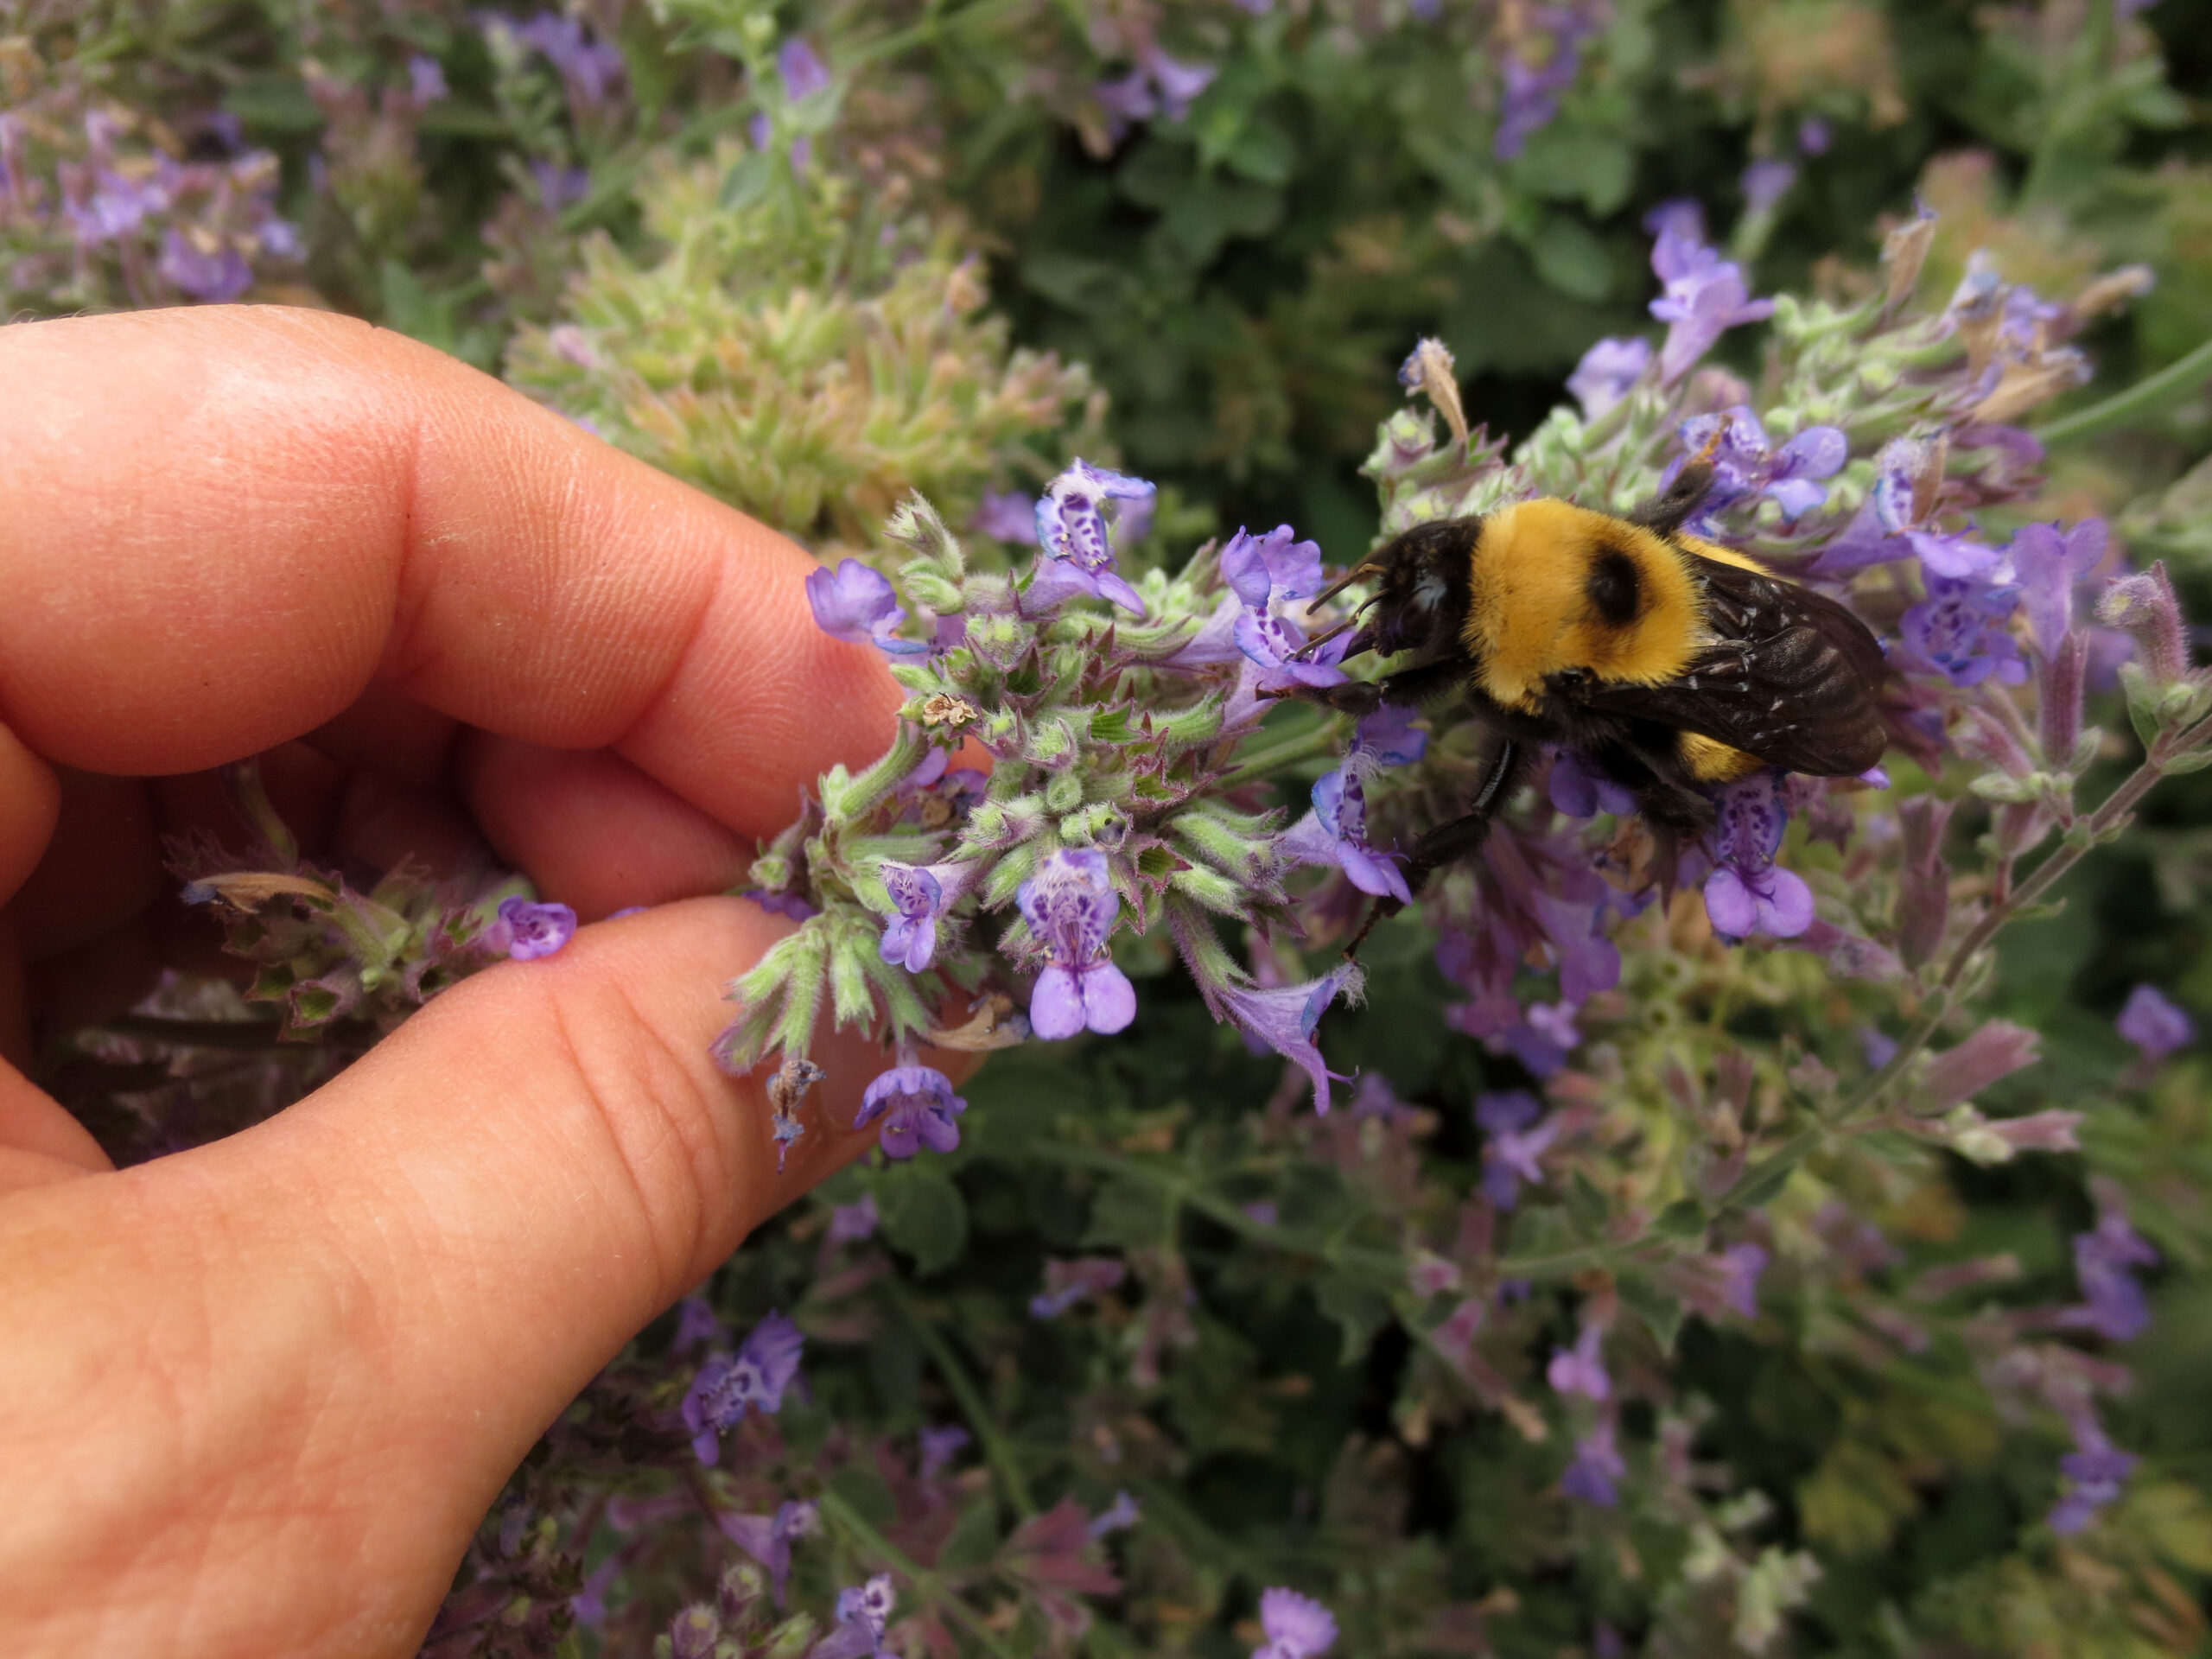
x=1364, y=697
x=1447, y=843
x=1356, y=698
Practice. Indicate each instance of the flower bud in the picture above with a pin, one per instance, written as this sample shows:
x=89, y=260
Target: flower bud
x=915, y=525
x=1904, y=251
x=2146, y=606
x=926, y=587
x=1924, y=886
x=1053, y=744
x=997, y=640
x=2060, y=698
x=1099, y=824
x=1996, y=1051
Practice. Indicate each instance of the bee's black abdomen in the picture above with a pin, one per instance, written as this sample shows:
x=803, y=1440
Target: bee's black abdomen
x=1614, y=588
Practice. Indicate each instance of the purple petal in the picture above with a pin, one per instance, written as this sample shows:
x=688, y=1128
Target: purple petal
x=1055, y=1005
x=1729, y=905
x=1109, y=1002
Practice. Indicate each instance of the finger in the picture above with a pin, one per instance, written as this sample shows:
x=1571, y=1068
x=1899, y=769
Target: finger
x=394, y=1285
x=102, y=865
x=30, y=804
x=225, y=523
x=594, y=830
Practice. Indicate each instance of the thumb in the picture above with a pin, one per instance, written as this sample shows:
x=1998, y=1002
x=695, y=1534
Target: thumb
x=311, y=1354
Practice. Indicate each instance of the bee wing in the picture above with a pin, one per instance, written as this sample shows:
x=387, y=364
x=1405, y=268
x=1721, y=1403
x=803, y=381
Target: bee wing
x=1791, y=677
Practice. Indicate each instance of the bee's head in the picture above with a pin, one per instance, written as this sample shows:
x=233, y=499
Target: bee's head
x=1421, y=587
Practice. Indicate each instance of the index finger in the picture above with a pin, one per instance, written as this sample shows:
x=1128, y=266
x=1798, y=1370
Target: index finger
x=222, y=523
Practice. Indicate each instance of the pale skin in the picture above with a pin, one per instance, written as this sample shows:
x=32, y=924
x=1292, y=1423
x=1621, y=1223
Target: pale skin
x=255, y=1397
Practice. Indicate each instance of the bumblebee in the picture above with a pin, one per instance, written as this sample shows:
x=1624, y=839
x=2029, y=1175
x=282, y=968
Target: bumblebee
x=1663, y=662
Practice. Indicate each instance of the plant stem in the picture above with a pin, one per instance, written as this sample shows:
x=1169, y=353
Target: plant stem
x=925, y=1583
x=2139, y=402
x=998, y=1450
x=1322, y=739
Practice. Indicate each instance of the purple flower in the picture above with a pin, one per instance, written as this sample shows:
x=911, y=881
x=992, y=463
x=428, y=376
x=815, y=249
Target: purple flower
x=203, y=267
x=1272, y=646
x=918, y=1107
x=1704, y=296
x=920, y=895
x=1956, y=554
x=729, y=1385
x=2048, y=562
x=1608, y=372
x=534, y=931
x=2113, y=1303
x=1962, y=629
x=589, y=67
x=1579, y=792
x=1876, y=533
x=850, y=1224
x=1008, y=516
x=1747, y=891
x=1298, y=1627
x=1510, y=1146
x=1119, y=1516
x=1284, y=1018
x=1178, y=83
x=2098, y=1469
x=1070, y=906
x=1582, y=1370
x=1746, y=464
x=767, y=1538
x=1539, y=69
x=864, y=1615
x=1391, y=736
x=1267, y=570
x=940, y=1446
x=426, y=80
x=1067, y=1282
x=1814, y=136
x=1076, y=550
x=1597, y=1469
x=1738, y=1268
x=801, y=69
x=2154, y=1025
x=559, y=187
x=696, y=1326
x=1765, y=183
x=1335, y=832
x=858, y=605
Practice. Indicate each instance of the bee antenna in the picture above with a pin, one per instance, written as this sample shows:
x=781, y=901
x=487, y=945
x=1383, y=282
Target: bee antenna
x=1364, y=567
x=1321, y=639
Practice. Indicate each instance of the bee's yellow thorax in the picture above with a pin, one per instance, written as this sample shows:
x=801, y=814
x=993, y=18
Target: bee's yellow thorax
x=1530, y=613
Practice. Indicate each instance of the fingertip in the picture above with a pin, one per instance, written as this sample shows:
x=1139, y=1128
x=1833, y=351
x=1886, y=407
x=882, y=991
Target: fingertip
x=30, y=807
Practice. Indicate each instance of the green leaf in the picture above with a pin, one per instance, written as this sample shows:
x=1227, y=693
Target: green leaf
x=974, y=1539
x=1565, y=163
x=924, y=1215
x=1570, y=259
x=747, y=181
x=1357, y=1307
x=1771, y=1173
x=1657, y=1308
x=867, y=1492
x=1683, y=1218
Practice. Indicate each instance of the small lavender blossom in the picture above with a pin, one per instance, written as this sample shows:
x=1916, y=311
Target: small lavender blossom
x=589, y=67
x=801, y=69
x=2113, y=1303
x=1118, y=1517
x=1008, y=516
x=1067, y=1282
x=939, y=1446
x=1815, y=135
x=1765, y=183
x=1747, y=891
x=1511, y=1146
x=1738, y=1270
x=2098, y=1469
x=2154, y=1025
x=1335, y=832
x=857, y=603
x=918, y=1107
x=203, y=266
x=1070, y=906
x=1581, y=1368
x=1075, y=546
x=1877, y=532
x=426, y=80
x=1540, y=68
x=1594, y=1475
x=2048, y=562
x=1285, y=1018
x=1297, y=1627
x=920, y=895
x=1962, y=631
x=1705, y=295
x=1271, y=569
x=1391, y=736
x=1579, y=792
x=535, y=930
x=1608, y=372
x=767, y=1538
x=1747, y=464
x=752, y=1379
x=852, y=1223
x=697, y=1326
x=863, y=1614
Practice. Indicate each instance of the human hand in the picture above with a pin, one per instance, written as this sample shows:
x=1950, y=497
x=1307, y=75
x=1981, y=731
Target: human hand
x=255, y=1397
